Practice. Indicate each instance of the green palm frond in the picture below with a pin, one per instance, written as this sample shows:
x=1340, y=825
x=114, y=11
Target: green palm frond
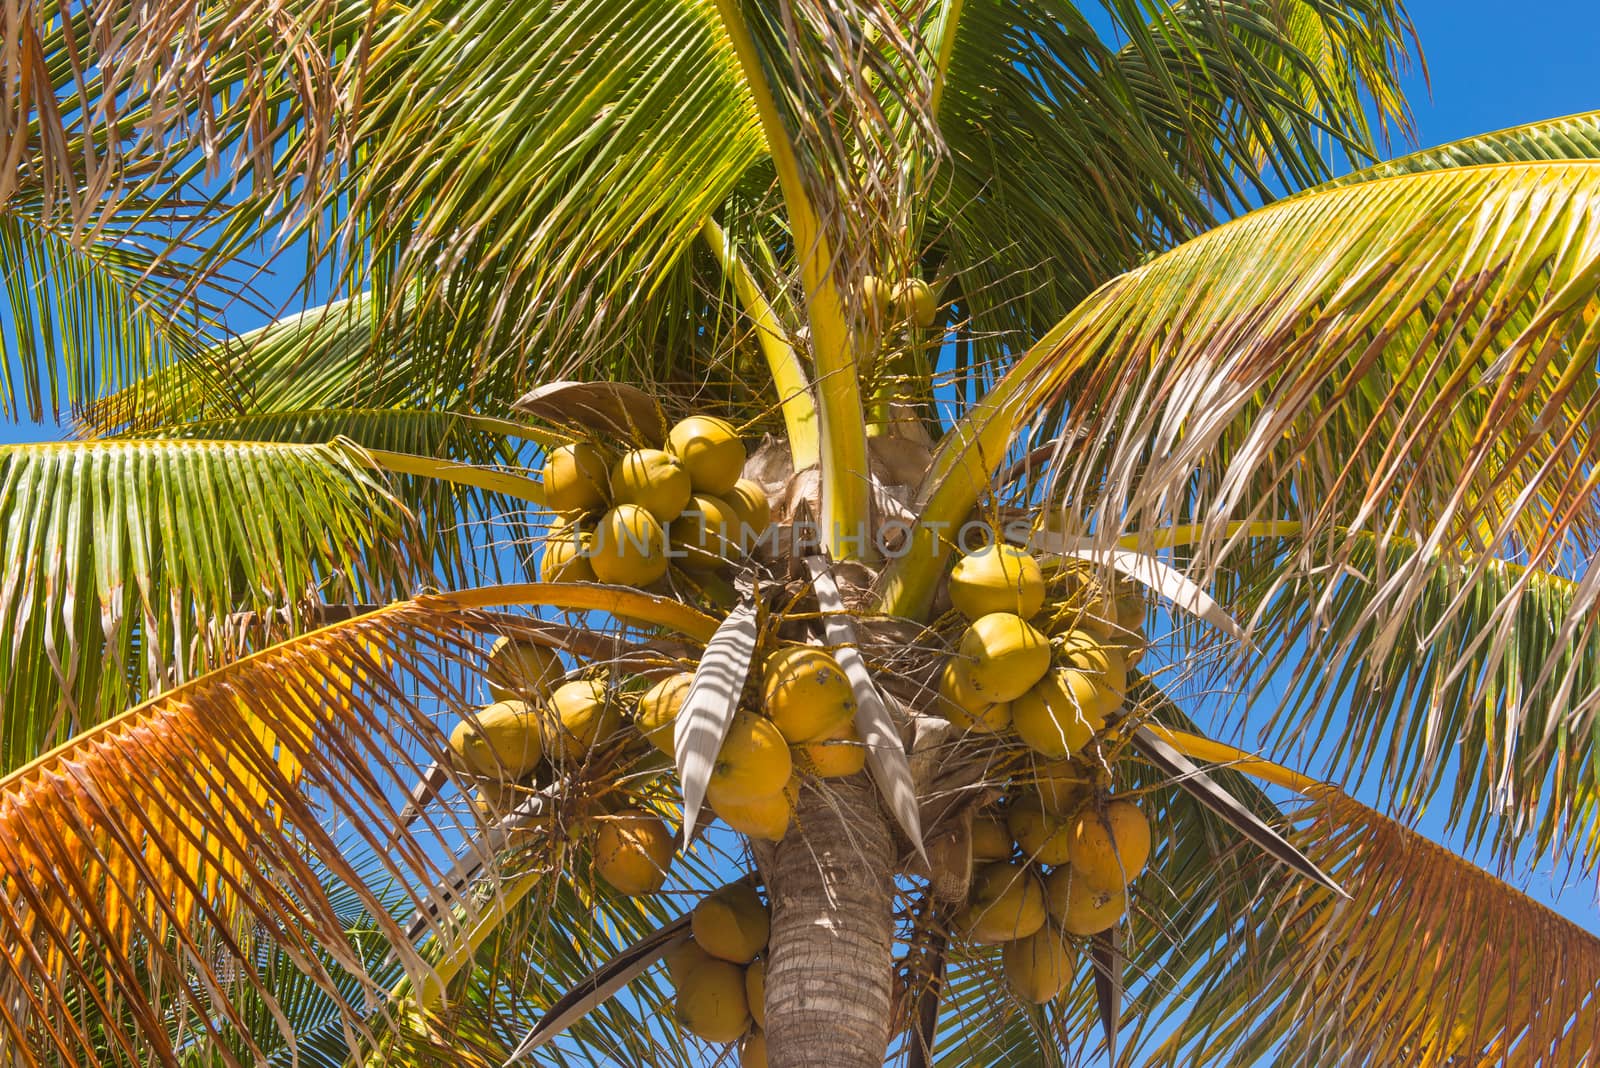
x=1132, y=149
x=150, y=557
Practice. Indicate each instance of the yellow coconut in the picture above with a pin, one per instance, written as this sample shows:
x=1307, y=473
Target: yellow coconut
x=1038, y=967
x=522, y=670
x=997, y=578
x=578, y=715
x=1110, y=850
x=875, y=295
x=566, y=556
x=657, y=712
x=1079, y=908
x=633, y=851
x=752, y=511
x=833, y=758
x=1004, y=656
x=753, y=757
x=753, y=1049
x=499, y=741
x=1102, y=660
x=711, y=1002
x=805, y=693
x=991, y=840
x=755, y=990
x=653, y=480
x=766, y=817
x=1044, y=839
x=1059, y=716
x=704, y=532
x=1063, y=786
x=913, y=299
x=963, y=707
x=732, y=923
x=630, y=548
x=1006, y=903
x=683, y=959
x=575, y=478
x=1130, y=609
x=710, y=450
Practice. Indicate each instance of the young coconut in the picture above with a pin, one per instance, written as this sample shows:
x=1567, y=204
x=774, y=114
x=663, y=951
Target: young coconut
x=913, y=299
x=1004, y=656
x=578, y=715
x=1109, y=850
x=1038, y=967
x=1079, y=908
x=711, y=1002
x=963, y=707
x=710, y=450
x=657, y=711
x=805, y=693
x=732, y=923
x=633, y=851
x=766, y=817
x=653, y=480
x=753, y=1049
x=753, y=757
x=1063, y=787
x=683, y=959
x=755, y=990
x=522, y=670
x=630, y=548
x=752, y=511
x=1060, y=715
x=991, y=840
x=833, y=758
x=566, y=556
x=1006, y=903
x=500, y=741
x=1084, y=651
x=575, y=478
x=1044, y=838
x=997, y=578
x=703, y=533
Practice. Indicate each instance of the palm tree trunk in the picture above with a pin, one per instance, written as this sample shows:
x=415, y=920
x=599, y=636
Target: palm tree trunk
x=831, y=882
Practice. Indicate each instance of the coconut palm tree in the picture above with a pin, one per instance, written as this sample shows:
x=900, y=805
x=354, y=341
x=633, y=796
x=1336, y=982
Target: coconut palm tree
x=1317, y=450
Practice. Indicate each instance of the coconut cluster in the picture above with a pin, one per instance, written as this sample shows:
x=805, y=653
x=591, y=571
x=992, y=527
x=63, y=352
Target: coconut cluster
x=719, y=973
x=627, y=518
x=910, y=300
x=801, y=723
x=1052, y=867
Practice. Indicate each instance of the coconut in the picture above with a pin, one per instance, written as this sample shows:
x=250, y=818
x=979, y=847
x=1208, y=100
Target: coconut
x=766, y=817
x=875, y=295
x=753, y=1049
x=1059, y=716
x=630, y=548
x=711, y=1002
x=575, y=478
x=704, y=532
x=997, y=578
x=752, y=511
x=1044, y=838
x=633, y=851
x=805, y=693
x=1006, y=903
x=521, y=670
x=913, y=299
x=732, y=923
x=683, y=959
x=991, y=840
x=1038, y=967
x=1109, y=850
x=578, y=715
x=657, y=711
x=710, y=450
x=755, y=990
x=1004, y=655
x=1079, y=908
x=963, y=707
x=1063, y=786
x=753, y=757
x=498, y=741
x=653, y=480
x=833, y=758
x=566, y=556
x=1102, y=660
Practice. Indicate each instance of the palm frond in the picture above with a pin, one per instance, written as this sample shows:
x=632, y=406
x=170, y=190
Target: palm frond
x=1573, y=137
x=147, y=558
